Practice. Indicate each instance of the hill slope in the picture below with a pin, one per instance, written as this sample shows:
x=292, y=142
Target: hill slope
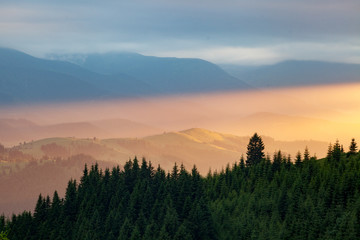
x=14, y=131
x=206, y=149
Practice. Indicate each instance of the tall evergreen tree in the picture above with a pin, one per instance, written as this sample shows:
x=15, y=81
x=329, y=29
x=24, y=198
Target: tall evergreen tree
x=255, y=150
x=277, y=161
x=353, y=147
x=298, y=159
x=336, y=153
x=306, y=154
x=242, y=162
x=329, y=153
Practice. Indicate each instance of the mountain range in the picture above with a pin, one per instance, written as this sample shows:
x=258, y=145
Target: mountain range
x=295, y=73
x=27, y=79
x=64, y=78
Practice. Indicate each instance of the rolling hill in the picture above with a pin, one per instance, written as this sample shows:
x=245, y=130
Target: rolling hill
x=14, y=131
x=206, y=149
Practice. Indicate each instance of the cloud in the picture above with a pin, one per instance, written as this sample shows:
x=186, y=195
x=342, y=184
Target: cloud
x=348, y=52
x=227, y=55
x=229, y=29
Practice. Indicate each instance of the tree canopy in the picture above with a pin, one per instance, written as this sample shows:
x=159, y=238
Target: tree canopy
x=311, y=199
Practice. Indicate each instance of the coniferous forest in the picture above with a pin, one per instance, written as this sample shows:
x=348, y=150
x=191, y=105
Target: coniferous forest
x=255, y=198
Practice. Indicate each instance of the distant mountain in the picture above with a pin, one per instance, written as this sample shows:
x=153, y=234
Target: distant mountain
x=168, y=75
x=27, y=79
x=24, y=78
x=296, y=73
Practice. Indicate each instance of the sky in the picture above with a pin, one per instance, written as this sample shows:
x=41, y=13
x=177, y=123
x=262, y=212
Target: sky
x=224, y=32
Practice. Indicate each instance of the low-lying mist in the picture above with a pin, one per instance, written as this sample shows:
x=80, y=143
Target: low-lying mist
x=323, y=113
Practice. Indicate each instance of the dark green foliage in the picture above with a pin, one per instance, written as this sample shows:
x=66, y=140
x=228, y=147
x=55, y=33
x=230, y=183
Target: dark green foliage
x=311, y=199
x=353, y=147
x=306, y=154
x=3, y=236
x=278, y=159
x=255, y=150
x=329, y=155
x=336, y=152
x=135, y=203
x=298, y=159
x=319, y=200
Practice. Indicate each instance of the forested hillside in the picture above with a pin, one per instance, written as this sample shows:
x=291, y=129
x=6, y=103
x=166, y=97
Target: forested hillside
x=253, y=199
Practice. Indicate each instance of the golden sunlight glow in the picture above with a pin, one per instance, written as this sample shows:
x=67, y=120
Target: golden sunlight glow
x=322, y=113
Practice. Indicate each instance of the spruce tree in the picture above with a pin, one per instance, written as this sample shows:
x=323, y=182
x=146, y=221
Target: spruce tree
x=255, y=150
x=242, y=162
x=336, y=151
x=329, y=153
x=298, y=159
x=306, y=154
x=277, y=161
x=353, y=147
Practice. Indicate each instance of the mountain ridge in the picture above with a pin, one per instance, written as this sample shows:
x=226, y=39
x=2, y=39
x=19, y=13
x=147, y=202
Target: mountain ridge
x=294, y=73
x=27, y=79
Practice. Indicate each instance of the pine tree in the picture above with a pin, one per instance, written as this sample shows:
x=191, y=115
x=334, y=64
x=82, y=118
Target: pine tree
x=353, y=147
x=85, y=175
x=336, y=153
x=135, y=235
x=175, y=172
x=255, y=150
x=40, y=210
x=242, y=162
x=183, y=233
x=298, y=159
x=277, y=161
x=329, y=153
x=125, y=230
x=306, y=154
